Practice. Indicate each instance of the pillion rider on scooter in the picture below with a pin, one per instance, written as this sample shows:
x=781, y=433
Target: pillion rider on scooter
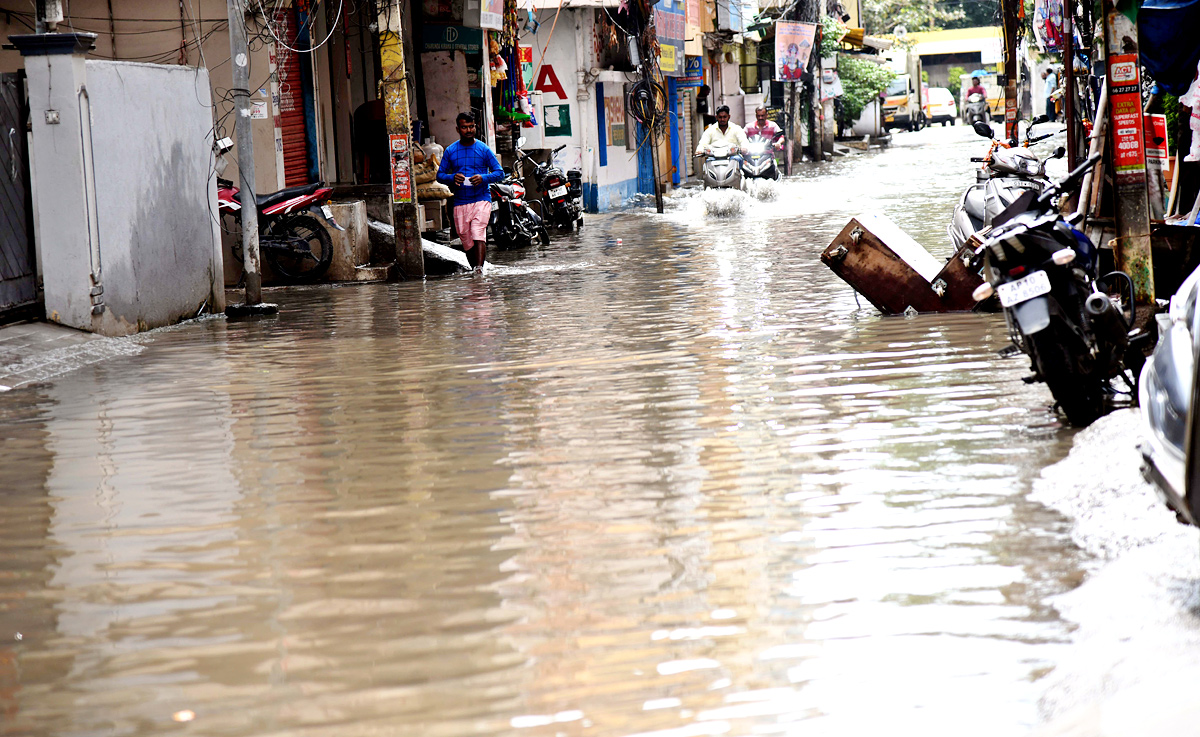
x=723, y=131
x=764, y=127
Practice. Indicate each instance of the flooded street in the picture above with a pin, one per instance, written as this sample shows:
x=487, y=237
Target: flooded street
x=664, y=476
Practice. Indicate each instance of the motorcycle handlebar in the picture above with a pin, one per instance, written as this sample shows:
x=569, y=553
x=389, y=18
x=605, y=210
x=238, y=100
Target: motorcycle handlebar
x=978, y=159
x=1072, y=179
x=560, y=148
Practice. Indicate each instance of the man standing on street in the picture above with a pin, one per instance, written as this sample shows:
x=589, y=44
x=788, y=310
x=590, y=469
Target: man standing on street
x=723, y=131
x=1051, y=80
x=468, y=167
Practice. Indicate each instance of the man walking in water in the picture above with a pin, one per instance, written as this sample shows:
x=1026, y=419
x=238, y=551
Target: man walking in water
x=468, y=167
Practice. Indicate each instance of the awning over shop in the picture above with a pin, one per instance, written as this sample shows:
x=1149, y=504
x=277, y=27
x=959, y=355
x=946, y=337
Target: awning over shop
x=1167, y=42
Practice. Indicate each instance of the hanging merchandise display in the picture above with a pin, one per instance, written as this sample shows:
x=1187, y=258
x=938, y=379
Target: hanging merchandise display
x=498, y=68
x=1048, y=24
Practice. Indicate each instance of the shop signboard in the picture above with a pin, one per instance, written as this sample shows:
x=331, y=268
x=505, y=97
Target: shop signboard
x=670, y=22
x=451, y=38
x=693, y=73
x=1125, y=101
x=793, y=45
x=401, y=168
x=525, y=57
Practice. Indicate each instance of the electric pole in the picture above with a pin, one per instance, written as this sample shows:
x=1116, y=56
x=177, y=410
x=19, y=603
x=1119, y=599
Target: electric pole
x=1131, y=248
x=410, y=258
x=240, y=57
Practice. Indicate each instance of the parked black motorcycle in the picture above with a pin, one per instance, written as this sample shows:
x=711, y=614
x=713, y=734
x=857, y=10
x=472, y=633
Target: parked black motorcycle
x=562, y=195
x=1059, y=313
x=514, y=224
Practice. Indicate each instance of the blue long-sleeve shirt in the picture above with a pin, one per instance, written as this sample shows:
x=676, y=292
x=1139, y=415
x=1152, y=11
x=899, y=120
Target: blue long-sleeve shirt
x=469, y=161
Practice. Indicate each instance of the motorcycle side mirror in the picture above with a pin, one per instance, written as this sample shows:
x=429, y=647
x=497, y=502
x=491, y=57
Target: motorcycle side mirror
x=521, y=142
x=1060, y=152
x=983, y=129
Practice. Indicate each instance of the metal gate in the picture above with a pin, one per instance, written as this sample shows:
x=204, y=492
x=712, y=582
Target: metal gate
x=18, y=263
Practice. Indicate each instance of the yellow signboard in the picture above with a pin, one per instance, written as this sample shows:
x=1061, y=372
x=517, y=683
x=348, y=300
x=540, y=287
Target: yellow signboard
x=666, y=58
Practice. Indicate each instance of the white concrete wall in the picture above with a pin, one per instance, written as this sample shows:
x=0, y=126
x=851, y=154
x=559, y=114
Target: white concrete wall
x=156, y=191
x=570, y=56
x=127, y=221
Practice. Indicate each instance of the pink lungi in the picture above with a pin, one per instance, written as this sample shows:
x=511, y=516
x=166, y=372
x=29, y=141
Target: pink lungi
x=471, y=221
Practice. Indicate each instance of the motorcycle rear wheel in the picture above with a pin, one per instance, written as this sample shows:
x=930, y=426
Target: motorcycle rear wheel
x=1080, y=395
x=298, y=266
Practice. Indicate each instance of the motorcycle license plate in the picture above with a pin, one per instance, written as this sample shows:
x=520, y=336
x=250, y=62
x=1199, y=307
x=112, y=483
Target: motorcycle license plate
x=558, y=192
x=1023, y=290
x=495, y=205
x=327, y=211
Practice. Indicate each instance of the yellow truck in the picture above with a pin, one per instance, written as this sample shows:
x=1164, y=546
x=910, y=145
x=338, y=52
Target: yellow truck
x=902, y=99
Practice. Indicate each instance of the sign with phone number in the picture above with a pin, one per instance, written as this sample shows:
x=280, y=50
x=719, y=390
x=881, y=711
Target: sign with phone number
x=1125, y=105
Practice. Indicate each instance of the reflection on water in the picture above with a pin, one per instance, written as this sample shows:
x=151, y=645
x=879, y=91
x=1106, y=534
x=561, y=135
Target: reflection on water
x=682, y=486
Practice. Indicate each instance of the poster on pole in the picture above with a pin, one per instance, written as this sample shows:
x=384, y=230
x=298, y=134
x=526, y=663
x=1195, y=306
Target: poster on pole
x=1125, y=104
x=793, y=44
x=401, y=168
x=491, y=14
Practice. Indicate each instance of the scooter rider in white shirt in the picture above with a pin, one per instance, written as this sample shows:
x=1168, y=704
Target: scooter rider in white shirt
x=723, y=131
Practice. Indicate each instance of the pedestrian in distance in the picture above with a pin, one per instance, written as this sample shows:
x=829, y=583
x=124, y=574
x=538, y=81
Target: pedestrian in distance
x=1051, y=80
x=468, y=167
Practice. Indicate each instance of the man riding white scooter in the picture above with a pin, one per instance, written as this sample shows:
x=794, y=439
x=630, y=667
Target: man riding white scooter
x=725, y=141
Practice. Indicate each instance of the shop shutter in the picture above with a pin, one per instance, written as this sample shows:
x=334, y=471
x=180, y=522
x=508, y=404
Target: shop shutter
x=291, y=102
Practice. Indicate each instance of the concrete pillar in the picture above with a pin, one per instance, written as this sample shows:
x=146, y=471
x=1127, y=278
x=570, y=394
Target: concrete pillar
x=64, y=192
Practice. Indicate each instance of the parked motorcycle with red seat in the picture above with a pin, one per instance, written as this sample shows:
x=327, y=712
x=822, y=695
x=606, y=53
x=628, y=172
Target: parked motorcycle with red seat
x=292, y=238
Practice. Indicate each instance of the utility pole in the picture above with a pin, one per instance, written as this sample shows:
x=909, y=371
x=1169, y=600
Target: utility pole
x=239, y=56
x=394, y=91
x=1131, y=247
x=1011, y=74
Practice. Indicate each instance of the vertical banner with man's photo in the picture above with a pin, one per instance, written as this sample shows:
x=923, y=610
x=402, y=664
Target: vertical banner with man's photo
x=793, y=45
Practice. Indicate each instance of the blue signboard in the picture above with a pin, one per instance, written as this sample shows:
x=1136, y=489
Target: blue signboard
x=670, y=25
x=693, y=72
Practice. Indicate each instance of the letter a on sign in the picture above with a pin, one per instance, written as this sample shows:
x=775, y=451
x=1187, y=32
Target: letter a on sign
x=547, y=81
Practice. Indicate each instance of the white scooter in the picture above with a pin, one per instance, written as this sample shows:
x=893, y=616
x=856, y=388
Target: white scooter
x=721, y=170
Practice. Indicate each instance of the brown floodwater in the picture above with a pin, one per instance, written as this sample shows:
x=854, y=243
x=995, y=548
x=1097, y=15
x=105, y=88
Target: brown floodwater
x=664, y=476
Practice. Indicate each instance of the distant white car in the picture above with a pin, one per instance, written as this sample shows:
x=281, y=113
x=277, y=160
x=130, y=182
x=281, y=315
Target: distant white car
x=940, y=106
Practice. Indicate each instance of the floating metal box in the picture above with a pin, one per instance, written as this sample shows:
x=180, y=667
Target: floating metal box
x=894, y=272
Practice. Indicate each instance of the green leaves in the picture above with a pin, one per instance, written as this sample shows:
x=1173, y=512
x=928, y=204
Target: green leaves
x=862, y=81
